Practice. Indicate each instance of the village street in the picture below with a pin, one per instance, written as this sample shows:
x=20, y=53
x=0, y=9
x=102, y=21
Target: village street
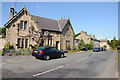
x=75, y=65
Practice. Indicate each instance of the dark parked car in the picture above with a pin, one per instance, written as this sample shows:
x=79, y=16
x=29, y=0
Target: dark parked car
x=118, y=48
x=47, y=53
x=97, y=49
x=84, y=49
x=102, y=49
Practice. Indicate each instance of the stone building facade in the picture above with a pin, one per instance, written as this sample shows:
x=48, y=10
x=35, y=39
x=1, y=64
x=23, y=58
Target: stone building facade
x=24, y=30
x=103, y=42
x=87, y=39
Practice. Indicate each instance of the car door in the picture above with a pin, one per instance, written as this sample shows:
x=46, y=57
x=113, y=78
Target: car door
x=51, y=52
x=58, y=53
x=55, y=52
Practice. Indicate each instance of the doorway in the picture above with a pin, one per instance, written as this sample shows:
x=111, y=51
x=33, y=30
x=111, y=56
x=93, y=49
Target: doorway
x=57, y=45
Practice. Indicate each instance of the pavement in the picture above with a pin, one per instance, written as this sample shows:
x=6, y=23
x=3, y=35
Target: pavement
x=74, y=65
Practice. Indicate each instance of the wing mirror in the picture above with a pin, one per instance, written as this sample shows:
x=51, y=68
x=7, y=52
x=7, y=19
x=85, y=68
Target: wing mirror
x=65, y=51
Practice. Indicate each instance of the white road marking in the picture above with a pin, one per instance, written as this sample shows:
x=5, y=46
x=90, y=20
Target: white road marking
x=86, y=57
x=82, y=58
x=48, y=71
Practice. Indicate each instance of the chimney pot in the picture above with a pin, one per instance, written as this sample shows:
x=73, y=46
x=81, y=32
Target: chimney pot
x=12, y=10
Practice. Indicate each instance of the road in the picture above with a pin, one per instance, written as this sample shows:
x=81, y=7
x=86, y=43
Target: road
x=74, y=65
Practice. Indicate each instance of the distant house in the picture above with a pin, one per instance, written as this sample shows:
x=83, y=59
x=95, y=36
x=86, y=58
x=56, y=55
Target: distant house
x=103, y=42
x=87, y=39
x=24, y=30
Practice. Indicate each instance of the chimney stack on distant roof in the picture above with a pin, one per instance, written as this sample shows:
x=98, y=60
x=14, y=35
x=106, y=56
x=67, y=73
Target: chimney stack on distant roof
x=12, y=10
x=61, y=19
x=93, y=36
x=90, y=35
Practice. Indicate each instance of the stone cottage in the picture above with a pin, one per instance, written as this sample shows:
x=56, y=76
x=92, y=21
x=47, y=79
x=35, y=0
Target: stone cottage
x=24, y=30
x=103, y=42
x=87, y=38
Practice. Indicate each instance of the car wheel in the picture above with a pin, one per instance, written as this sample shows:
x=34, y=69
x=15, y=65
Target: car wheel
x=62, y=55
x=47, y=57
x=37, y=57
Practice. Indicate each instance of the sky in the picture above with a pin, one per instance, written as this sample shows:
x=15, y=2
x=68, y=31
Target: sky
x=98, y=18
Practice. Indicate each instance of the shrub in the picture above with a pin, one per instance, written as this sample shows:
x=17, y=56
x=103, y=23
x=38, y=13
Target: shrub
x=6, y=48
x=104, y=46
x=68, y=47
x=119, y=51
x=74, y=48
x=88, y=46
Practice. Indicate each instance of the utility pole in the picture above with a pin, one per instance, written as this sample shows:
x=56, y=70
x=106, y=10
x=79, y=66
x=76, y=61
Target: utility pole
x=15, y=6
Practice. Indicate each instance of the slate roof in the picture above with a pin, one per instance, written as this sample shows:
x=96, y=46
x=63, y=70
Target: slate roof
x=50, y=24
x=103, y=40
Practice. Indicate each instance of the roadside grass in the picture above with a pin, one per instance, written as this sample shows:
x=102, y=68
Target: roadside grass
x=21, y=52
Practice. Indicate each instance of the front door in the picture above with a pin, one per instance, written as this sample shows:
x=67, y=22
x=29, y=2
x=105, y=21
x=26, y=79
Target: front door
x=57, y=44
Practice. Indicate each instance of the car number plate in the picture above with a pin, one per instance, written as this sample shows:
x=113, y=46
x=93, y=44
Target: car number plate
x=36, y=51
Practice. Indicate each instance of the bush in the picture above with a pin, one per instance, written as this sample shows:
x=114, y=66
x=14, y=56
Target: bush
x=74, y=48
x=81, y=44
x=68, y=47
x=105, y=46
x=88, y=47
x=119, y=51
x=6, y=48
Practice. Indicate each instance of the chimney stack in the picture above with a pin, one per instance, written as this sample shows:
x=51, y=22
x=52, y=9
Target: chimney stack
x=93, y=36
x=12, y=10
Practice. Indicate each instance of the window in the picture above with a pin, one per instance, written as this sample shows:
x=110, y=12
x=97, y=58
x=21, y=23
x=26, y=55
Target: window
x=22, y=42
x=26, y=43
x=18, y=25
x=18, y=41
x=23, y=25
x=54, y=49
x=48, y=41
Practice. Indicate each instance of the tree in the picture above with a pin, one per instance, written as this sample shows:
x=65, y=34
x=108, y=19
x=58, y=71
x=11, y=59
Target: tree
x=3, y=31
x=114, y=38
x=104, y=46
x=89, y=46
x=81, y=44
x=114, y=43
x=76, y=35
x=108, y=42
